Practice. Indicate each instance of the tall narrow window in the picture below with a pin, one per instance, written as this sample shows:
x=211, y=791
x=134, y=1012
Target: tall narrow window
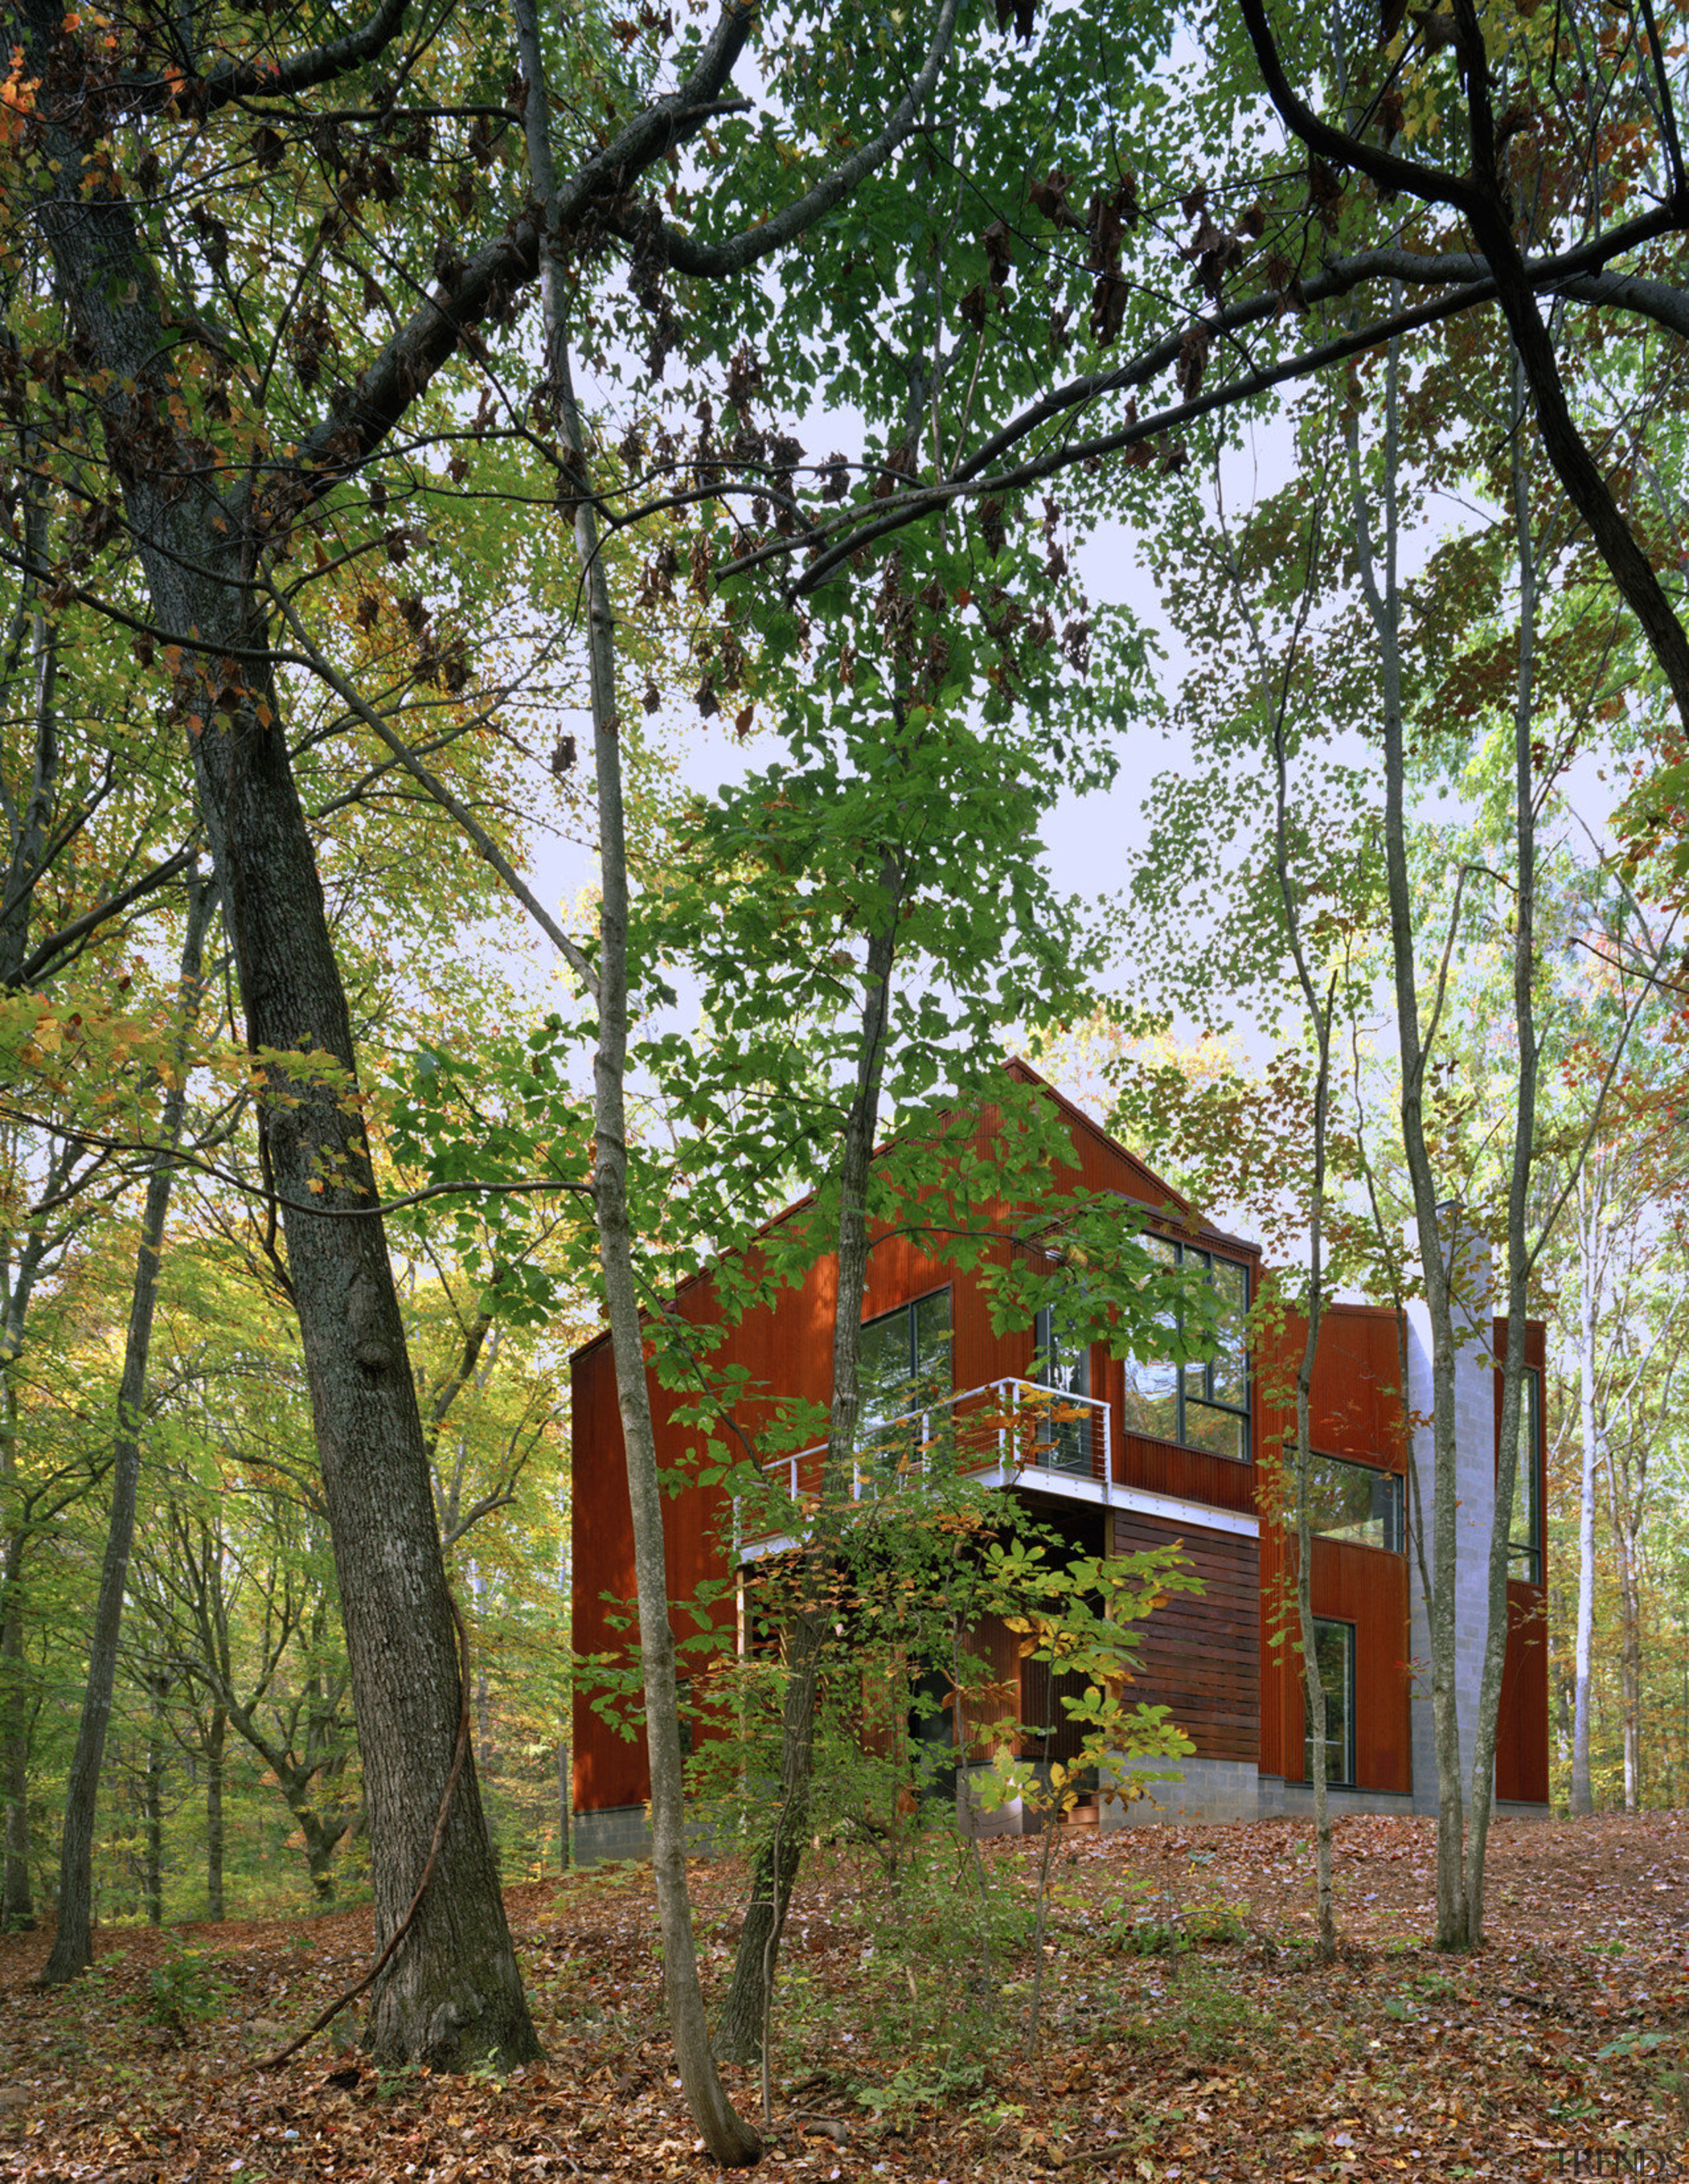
x=1204, y=1405
x=1334, y=1651
x=1063, y=1363
x=906, y=1361
x=1524, y=1541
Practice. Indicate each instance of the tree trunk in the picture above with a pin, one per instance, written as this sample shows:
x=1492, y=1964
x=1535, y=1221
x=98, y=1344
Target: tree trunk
x=739, y=2034
x=1384, y=606
x=1630, y=1646
x=729, y=2140
x=1274, y=684
x=452, y=1995
x=1480, y=1798
x=1582, y=1799
x=152, y=1806
x=215, y=1747
x=17, y=1902
x=73, y=1945
x=564, y=1857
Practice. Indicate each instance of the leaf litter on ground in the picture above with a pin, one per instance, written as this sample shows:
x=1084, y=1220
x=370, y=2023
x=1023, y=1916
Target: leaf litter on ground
x=1189, y=2033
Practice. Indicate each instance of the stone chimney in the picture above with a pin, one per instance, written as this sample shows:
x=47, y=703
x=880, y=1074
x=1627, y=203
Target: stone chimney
x=1467, y=1255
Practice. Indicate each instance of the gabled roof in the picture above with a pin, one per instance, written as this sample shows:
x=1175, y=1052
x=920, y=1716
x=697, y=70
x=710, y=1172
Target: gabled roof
x=1018, y=1066
x=1015, y=1065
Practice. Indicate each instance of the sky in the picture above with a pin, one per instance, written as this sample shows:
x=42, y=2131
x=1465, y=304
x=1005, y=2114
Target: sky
x=1091, y=843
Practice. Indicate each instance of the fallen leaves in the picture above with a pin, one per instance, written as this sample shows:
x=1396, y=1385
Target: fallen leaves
x=1219, y=2059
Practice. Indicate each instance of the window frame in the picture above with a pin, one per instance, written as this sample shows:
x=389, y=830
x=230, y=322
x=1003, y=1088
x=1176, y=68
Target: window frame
x=1208, y=1402
x=1346, y=1780
x=909, y=1307
x=1374, y=1471
x=1068, y=1447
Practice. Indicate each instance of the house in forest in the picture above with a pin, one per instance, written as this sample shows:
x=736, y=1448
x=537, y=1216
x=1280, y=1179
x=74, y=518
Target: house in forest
x=1143, y=1453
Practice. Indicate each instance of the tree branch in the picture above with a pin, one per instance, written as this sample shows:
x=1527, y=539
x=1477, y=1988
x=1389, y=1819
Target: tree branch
x=716, y=261
x=317, y=64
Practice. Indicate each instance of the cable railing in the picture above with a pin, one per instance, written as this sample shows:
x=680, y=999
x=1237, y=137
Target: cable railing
x=1013, y=1427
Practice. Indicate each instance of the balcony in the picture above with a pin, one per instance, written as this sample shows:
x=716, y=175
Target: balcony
x=1007, y=1433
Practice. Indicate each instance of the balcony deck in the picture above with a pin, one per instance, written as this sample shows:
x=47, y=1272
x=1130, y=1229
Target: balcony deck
x=1007, y=1433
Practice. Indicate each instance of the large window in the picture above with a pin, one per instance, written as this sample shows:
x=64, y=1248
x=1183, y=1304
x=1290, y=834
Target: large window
x=906, y=1362
x=1353, y=1502
x=1524, y=1541
x=1334, y=1650
x=1205, y=1405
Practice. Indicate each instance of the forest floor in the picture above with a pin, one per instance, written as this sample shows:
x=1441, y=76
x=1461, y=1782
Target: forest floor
x=1186, y=2033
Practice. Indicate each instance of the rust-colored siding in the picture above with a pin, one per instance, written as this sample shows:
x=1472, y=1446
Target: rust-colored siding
x=1522, y=1729
x=1356, y=1412
x=1211, y=1658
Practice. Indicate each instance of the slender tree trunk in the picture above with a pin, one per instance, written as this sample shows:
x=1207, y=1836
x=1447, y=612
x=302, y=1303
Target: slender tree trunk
x=17, y=1902
x=739, y=2034
x=216, y=1744
x=1480, y=1798
x=1630, y=1649
x=452, y=1995
x=1383, y=603
x=729, y=2140
x=1325, y=1912
x=1273, y=694
x=153, y=1804
x=1590, y=1196
x=27, y=861
x=565, y=1855
x=73, y=1945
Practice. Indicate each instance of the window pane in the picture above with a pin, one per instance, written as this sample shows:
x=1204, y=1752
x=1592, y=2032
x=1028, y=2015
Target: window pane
x=1230, y=1378
x=1220, y=1432
x=932, y=1374
x=887, y=1367
x=1333, y=1654
x=1353, y=1502
x=1152, y=1399
x=1063, y=1358
x=1063, y=1363
x=1152, y=1384
x=1526, y=1535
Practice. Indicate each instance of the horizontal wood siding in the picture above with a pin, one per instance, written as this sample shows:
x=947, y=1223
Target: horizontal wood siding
x=1198, y=1654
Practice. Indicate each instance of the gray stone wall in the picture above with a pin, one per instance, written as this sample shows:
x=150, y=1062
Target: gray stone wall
x=625, y=1831
x=1203, y=1789
x=622, y=1831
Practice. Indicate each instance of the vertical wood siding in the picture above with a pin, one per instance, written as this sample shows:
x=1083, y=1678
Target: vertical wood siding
x=1209, y=1658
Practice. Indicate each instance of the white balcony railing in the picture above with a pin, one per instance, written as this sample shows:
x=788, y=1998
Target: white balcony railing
x=1008, y=1429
